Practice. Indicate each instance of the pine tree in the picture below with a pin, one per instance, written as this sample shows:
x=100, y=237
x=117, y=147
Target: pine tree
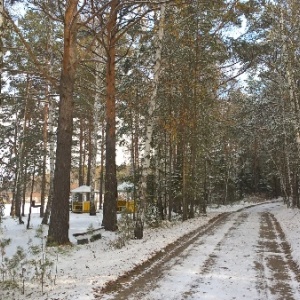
x=59, y=220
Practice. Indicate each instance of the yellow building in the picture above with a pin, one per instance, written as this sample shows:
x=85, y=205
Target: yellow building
x=125, y=202
x=81, y=205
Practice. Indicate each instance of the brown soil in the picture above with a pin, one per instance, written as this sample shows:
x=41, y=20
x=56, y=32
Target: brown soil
x=145, y=274
x=275, y=266
x=273, y=262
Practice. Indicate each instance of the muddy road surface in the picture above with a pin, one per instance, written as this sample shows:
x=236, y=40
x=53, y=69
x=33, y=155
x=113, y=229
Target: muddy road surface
x=240, y=255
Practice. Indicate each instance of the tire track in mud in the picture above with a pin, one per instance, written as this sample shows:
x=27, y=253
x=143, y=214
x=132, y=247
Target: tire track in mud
x=151, y=270
x=267, y=264
x=211, y=262
x=138, y=283
x=275, y=266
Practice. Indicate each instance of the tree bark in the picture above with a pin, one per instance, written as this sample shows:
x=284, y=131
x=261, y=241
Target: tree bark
x=110, y=194
x=1, y=43
x=50, y=126
x=31, y=197
x=51, y=158
x=101, y=179
x=95, y=128
x=81, y=166
x=59, y=220
x=44, y=163
x=20, y=177
x=150, y=117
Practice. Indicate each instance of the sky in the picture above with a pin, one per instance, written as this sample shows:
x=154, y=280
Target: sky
x=78, y=269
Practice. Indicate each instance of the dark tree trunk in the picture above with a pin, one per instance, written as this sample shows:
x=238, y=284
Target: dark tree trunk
x=89, y=159
x=45, y=138
x=31, y=198
x=170, y=180
x=24, y=189
x=101, y=169
x=48, y=207
x=81, y=158
x=110, y=195
x=276, y=187
x=59, y=220
x=178, y=177
x=296, y=189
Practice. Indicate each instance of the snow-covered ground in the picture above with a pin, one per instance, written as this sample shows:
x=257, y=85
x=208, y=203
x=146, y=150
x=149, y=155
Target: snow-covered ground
x=78, y=269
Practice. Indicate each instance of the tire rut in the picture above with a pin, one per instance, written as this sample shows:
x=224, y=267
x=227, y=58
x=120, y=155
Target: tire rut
x=150, y=271
x=273, y=272
x=275, y=266
x=211, y=261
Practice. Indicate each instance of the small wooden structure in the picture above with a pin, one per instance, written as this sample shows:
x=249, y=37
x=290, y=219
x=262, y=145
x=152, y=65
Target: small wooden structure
x=125, y=202
x=83, y=205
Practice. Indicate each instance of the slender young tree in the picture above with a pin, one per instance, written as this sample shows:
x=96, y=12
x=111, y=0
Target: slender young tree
x=97, y=109
x=21, y=161
x=50, y=120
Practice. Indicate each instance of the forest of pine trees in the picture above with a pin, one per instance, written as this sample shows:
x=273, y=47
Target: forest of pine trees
x=202, y=95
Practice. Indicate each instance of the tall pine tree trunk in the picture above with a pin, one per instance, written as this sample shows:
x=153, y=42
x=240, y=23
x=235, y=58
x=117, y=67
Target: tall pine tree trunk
x=288, y=58
x=110, y=194
x=59, y=220
x=287, y=167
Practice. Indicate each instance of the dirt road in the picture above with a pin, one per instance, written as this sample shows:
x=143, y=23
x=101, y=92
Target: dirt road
x=241, y=255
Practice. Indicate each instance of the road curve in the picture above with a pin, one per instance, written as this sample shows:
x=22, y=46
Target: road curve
x=241, y=255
